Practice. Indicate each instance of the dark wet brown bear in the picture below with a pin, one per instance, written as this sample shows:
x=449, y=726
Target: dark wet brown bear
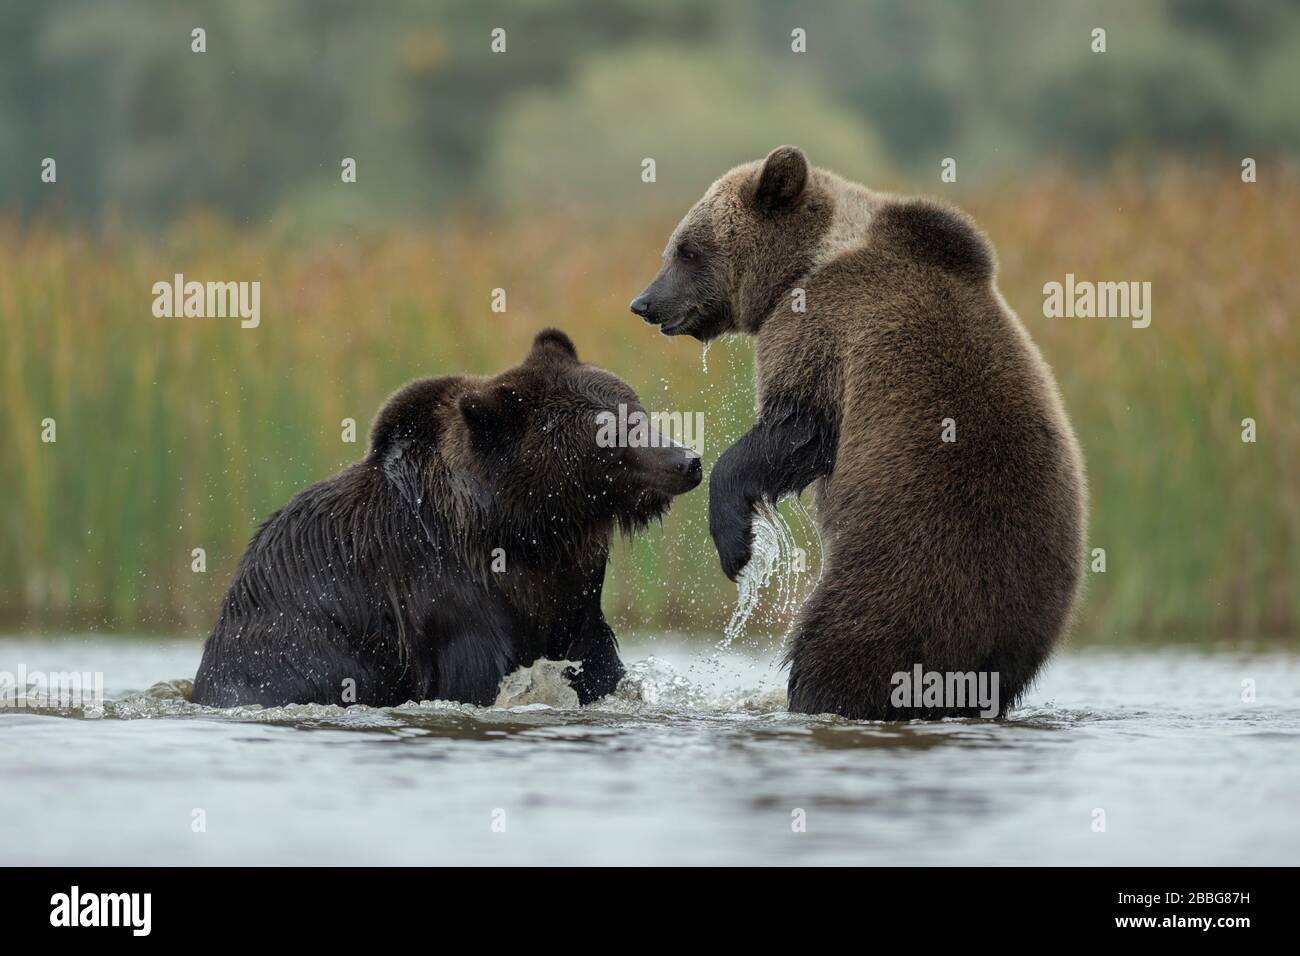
x=949, y=484
x=470, y=541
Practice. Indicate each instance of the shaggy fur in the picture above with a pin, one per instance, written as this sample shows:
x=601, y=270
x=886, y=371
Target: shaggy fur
x=383, y=575
x=963, y=556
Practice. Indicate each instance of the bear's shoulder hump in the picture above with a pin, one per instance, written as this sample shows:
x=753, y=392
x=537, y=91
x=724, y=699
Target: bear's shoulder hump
x=938, y=235
x=411, y=413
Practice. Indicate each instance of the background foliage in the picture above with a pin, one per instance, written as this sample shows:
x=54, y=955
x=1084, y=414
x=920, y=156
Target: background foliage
x=254, y=127
x=522, y=171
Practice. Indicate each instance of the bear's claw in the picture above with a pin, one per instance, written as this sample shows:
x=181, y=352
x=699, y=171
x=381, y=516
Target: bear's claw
x=733, y=541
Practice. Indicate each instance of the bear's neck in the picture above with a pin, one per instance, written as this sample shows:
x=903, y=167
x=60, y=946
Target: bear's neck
x=554, y=607
x=835, y=220
x=850, y=223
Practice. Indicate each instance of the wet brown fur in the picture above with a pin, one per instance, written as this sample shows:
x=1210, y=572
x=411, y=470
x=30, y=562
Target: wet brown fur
x=964, y=556
x=382, y=584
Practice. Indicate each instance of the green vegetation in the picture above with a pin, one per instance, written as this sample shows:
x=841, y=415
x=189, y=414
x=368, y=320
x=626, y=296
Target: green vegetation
x=144, y=129
x=175, y=434
x=522, y=170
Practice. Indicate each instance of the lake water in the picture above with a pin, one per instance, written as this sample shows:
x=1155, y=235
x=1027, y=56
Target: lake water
x=694, y=761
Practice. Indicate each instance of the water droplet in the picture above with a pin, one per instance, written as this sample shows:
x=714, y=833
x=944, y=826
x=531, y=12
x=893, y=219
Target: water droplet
x=773, y=556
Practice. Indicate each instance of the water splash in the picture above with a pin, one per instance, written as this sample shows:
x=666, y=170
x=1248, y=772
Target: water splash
x=775, y=555
x=810, y=528
x=542, y=683
x=652, y=688
x=658, y=683
x=705, y=357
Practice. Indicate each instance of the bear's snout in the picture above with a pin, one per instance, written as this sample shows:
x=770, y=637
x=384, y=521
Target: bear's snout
x=691, y=468
x=643, y=307
x=686, y=466
x=670, y=468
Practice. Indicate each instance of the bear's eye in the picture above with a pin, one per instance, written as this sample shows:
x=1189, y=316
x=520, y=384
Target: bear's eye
x=686, y=253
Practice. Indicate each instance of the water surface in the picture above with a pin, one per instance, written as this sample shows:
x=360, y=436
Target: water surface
x=694, y=761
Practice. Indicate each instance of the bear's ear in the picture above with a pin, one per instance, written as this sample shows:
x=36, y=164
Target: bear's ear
x=554, y=342
x=782, y=181
x=492, y=413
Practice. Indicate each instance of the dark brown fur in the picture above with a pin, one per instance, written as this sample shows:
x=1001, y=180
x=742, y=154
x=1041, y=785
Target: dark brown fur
x=385, y=584
x=963, y=556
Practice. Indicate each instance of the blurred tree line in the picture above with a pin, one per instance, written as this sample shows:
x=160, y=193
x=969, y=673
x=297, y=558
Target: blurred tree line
x=255, y=128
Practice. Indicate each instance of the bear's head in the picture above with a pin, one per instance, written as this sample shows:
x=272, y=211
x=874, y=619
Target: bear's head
x=527, y=455
x=741, y=248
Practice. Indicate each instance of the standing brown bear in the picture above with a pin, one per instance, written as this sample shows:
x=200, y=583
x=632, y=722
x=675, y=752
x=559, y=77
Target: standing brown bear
x=470, y=541
x=949, y=484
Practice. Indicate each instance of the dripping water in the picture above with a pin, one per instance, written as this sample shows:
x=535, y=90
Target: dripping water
x=774, y=560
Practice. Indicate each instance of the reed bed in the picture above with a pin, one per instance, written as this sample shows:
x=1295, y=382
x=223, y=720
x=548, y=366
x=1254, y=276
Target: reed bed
x=176, y=434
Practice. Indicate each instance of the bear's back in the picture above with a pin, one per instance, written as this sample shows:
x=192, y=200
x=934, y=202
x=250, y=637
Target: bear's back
x=958, y=489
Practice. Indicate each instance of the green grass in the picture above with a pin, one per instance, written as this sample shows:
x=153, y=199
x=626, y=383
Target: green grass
x=178, y=434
